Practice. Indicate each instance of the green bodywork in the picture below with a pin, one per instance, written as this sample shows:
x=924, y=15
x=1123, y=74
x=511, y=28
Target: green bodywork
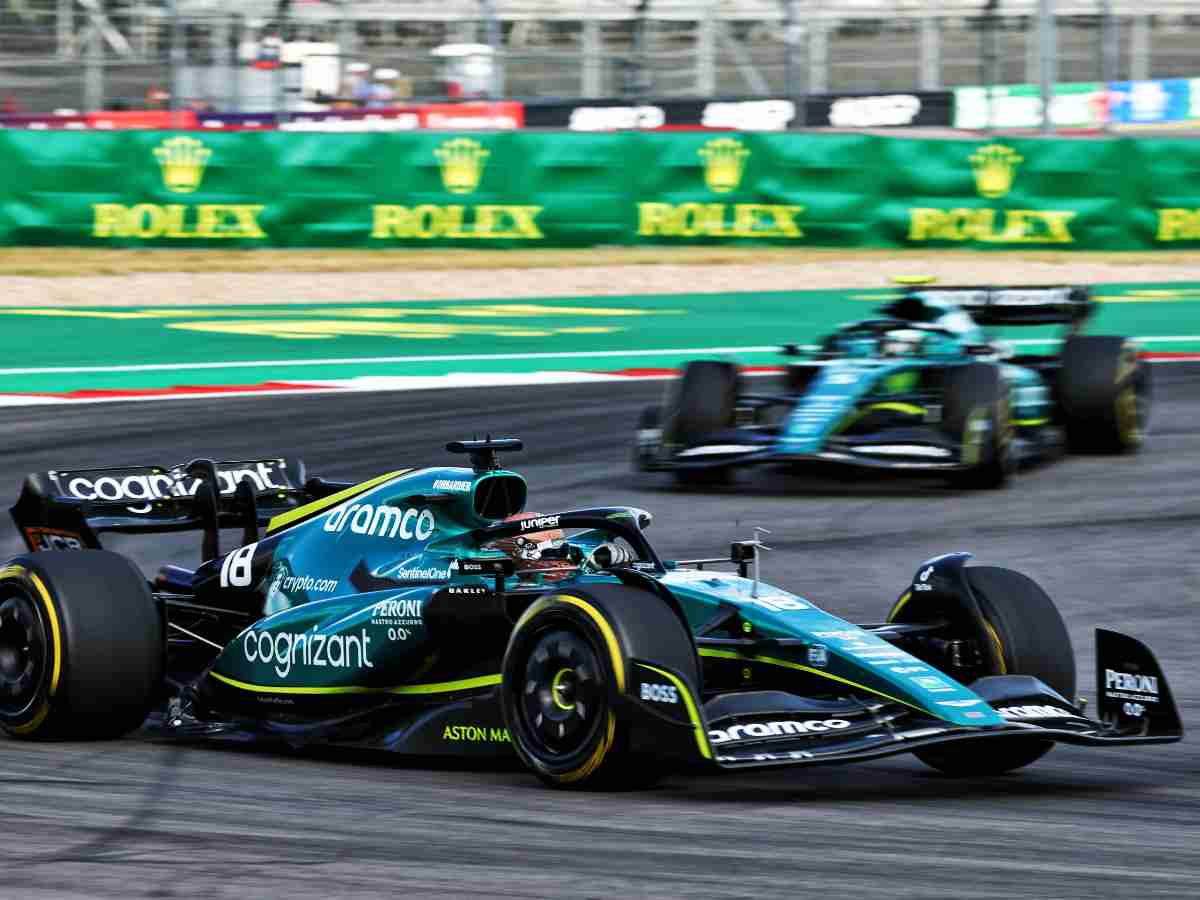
x=323, y=637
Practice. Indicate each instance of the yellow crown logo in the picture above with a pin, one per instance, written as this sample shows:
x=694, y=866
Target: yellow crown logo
x=994, y=168
x=182, y=160
x=724, y=163
x=462, y=161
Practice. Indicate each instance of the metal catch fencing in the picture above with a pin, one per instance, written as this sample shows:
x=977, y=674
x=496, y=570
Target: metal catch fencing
x=260, y=55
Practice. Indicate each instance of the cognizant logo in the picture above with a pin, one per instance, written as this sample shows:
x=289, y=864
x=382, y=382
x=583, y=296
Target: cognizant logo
x=383, y=521
x=286, y=650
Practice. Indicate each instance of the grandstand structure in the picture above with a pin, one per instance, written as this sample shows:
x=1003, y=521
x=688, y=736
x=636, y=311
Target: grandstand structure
x=89, y=54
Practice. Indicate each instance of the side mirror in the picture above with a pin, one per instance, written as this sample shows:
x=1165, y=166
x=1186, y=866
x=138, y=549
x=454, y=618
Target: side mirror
x=743, y=551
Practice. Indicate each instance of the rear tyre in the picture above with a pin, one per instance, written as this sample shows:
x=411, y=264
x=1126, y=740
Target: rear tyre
x=976, y=414
x=1104, y=394
x=81, y=646
x=700, y=403
x=1032, y=640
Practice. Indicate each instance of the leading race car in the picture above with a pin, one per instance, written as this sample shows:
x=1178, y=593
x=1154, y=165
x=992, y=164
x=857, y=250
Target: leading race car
x=921, y=388
x=426, y=612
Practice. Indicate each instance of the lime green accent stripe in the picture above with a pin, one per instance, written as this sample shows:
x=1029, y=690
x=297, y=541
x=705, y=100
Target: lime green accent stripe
x=301, y=512
x=910, y=408
x=855, y=414
x=772, y=661
x=693, y=713
x=1030, y=421
x=441, y=687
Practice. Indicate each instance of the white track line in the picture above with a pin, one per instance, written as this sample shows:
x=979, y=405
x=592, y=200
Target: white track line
x=372, y=360
x=388, y=383
x=466, y=357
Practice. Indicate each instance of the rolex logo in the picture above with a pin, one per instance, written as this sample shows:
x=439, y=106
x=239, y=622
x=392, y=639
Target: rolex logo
x=724, y=163
x=994, y=168
x=182, y=160
x=462, y=161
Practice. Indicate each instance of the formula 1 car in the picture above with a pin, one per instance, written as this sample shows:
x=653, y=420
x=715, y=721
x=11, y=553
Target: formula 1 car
x=919, y=388
x=424, y=612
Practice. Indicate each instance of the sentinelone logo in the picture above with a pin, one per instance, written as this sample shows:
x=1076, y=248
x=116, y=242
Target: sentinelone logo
x=182, y=163
x=724, y=165
x=462, y=163
x=994, y=169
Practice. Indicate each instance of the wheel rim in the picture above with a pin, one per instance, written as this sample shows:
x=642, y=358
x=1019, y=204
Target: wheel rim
x=22, y=654
x=1132, y=406
x=562, y=699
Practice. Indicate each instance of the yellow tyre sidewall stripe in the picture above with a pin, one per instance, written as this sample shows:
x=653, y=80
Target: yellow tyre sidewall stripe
x=594, y=761
x=31, y=579
x=610, y=637
x=905, y=597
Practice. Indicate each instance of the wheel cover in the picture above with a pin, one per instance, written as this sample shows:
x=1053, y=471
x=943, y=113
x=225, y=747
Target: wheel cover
x=1133, y=403
x=562, y=702
x=23, y=653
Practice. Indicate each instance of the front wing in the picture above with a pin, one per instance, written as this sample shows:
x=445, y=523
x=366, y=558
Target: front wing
x=774, y=728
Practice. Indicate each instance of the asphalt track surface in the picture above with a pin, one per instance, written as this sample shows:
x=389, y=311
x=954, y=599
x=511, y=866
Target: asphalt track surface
x=1114, y=540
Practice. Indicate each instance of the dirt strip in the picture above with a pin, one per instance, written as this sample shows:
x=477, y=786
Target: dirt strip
x=817, y=272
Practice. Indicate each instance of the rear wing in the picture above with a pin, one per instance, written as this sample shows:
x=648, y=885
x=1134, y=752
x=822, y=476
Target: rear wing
x=70, y=509
x=1049, y=305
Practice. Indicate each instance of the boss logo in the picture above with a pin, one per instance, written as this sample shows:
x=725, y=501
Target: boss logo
x=660, y=693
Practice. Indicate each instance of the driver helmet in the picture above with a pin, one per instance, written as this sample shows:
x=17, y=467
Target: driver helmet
x=526, y=551
x=902, y=342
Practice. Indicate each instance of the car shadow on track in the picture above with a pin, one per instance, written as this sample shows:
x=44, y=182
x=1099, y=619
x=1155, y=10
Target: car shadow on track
x=872, y=784
x=776, y=481
x=857, y=784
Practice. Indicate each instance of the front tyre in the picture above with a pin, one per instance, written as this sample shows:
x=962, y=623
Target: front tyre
x=1031, y=639
x=648, y=439
x=976, y=415
x=81, y=646
x=560, y=677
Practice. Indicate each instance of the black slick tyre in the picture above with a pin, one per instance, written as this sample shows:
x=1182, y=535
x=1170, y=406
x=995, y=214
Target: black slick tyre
x=81, y=646
x=648, y=438
x=1104, y=394
x=975, y=413
x=561, y=675
x=698, y=404
x=1032, y=640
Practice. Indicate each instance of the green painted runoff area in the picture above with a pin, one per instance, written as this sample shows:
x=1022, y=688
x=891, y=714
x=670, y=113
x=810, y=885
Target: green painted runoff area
x=129, y=348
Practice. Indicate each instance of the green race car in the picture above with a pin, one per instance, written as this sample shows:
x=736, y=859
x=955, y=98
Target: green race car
x=919, y=388
x=426, y=612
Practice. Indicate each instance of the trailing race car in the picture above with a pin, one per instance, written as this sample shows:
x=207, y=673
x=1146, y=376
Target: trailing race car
x=425, y=612
x=920, y=388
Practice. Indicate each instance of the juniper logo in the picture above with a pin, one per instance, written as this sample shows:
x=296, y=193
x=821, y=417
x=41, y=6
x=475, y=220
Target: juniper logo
x=724, y=164
x=462, y=161
x=182, y=160
x=995, y=169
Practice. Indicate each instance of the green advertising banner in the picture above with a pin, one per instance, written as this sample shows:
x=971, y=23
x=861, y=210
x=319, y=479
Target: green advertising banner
x=522, y=189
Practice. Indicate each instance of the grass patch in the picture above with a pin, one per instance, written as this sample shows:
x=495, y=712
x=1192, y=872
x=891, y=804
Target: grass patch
x=52, y=262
